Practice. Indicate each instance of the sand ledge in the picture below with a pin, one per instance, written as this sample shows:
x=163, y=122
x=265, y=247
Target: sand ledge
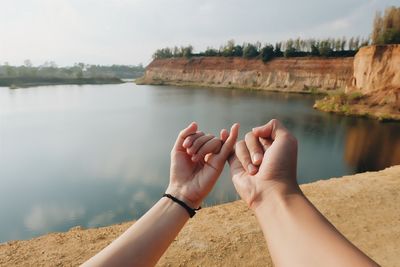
x=364, y=207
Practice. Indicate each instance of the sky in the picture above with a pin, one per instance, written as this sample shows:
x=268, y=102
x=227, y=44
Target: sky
x=129, y=31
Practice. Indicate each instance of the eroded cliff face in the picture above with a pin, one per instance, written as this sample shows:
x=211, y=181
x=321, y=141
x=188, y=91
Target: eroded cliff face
x=377, y=75
x=293, y=74
x=375, y=87
x=377, y=68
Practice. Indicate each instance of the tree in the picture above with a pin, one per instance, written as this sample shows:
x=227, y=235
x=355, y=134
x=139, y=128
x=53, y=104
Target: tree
x=163, y=53
x=187, y=51
x=324, y=48
x=314, y=50
x=338, y=44
x=211, y=52
x=357, y=43
x=351, y=43
x=278, y=50
x=343, y=43
x=297, y=45
x=238, y=51
x=386, y=28
x=229, y=49
x=267, y=52
x=250, y=51
x=177, y=52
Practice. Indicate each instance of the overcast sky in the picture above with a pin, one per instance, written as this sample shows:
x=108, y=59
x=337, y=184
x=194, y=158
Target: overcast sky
x=129, y=31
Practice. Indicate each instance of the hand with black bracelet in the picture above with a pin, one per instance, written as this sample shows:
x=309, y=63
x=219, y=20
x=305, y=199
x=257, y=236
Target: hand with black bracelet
x=197, y=161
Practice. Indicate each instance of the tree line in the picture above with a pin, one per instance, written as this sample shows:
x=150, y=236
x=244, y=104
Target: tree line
x=77, y=71
x=330, y=47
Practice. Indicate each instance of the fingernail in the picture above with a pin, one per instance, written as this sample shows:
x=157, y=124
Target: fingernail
x=251, y=168
x=194, y=158
x=257, y=158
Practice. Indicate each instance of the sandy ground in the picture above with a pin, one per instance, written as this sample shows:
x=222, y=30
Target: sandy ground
x=364, y=207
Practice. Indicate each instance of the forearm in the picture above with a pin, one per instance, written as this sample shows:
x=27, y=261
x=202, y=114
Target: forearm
x=147, y=239
x=299, y=235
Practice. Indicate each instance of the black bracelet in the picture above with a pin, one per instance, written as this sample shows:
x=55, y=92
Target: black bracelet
x=191, y=211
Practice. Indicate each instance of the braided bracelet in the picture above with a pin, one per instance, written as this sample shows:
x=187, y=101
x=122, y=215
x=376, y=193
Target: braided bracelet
x=191, y=211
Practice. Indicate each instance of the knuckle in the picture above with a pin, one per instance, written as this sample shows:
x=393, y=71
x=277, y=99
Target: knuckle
x=240, y=143
x=191, y=150
x=182, y=133
x=248, y=135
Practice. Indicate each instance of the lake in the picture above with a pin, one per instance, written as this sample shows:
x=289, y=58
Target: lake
x=94, y=155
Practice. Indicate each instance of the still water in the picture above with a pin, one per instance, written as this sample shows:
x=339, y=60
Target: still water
x=95, y=155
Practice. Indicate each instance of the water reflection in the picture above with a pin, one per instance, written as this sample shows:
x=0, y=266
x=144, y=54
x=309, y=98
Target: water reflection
x=372, y=148
x=49, y=216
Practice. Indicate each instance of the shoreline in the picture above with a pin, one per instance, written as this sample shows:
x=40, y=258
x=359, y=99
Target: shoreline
x=327, y=104
x=359, y=106
x=308, y=91
x=16, y=83
x=362, y=206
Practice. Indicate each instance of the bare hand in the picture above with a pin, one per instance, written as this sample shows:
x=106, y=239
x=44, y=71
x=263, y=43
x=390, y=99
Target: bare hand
x=277, y=171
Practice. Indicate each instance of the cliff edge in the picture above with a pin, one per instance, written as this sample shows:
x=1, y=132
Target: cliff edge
x=280, y=74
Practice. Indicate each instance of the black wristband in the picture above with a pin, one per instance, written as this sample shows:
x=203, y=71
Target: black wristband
x=191, y=211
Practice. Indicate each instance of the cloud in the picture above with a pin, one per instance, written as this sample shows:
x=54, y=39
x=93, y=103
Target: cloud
x=128, y=31
x=47, y=216
x=105, y=218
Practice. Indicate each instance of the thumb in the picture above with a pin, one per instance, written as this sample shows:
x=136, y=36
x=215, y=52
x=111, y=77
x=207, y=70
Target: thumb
x=219, y=159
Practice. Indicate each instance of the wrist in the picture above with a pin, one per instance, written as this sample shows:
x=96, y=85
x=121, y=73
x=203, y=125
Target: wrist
x=275, y=195
x=178, y=193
